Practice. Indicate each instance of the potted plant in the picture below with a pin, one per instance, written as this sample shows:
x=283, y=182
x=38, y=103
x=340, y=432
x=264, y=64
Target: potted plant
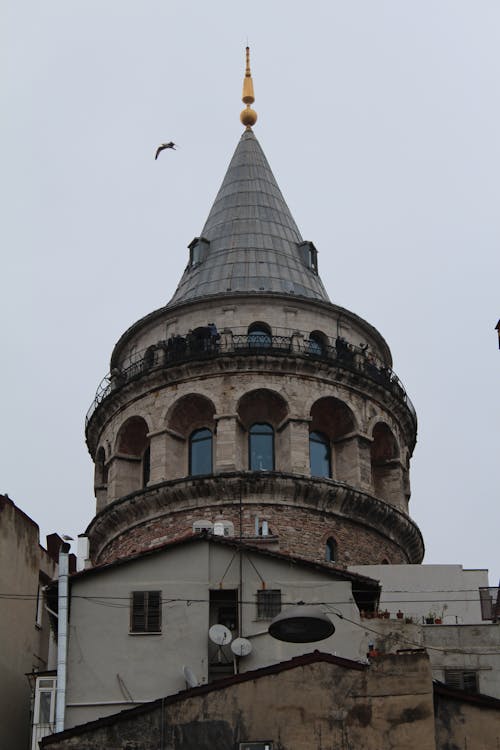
x=429, y=620
x=386, y=614
x=439, y=618
x=408, y=620
x=399, y=614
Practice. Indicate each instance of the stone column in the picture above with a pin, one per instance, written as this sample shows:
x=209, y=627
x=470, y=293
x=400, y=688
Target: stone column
x=124, y=475
x=388, y=482
x=365, y=462
x=227, y=442
x=346, y=463
x=298, y=441
x=158, y=452
x=176, y=455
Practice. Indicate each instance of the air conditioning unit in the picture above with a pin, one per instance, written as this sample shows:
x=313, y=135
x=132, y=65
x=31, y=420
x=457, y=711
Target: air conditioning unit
x=266, y=745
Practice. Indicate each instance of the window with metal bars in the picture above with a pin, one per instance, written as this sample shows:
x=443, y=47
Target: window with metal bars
x=145, y=612
x=268, y=603
x=462, y=679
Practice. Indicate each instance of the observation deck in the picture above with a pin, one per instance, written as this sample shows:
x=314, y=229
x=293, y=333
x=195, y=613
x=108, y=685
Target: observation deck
x=202, y=344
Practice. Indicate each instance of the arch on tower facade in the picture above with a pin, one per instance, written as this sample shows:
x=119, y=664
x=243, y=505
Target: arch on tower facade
x=317, y=344
x=190, y=436
x=262, y=414
x=101, y=469
x=386, y=467
x=334, y=422
x=259, y=335
x=101, y=478
x=191, y=412
x=129, y=467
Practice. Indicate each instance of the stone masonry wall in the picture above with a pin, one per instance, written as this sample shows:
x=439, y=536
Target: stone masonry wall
x=293, y=531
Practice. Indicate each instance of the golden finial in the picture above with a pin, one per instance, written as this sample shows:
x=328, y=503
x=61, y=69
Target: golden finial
x=248, y=116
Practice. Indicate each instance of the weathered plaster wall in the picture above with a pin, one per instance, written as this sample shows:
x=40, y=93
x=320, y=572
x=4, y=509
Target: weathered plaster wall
x=311, y=707
x=107, y=665
x=465, y=725
x=23, y=644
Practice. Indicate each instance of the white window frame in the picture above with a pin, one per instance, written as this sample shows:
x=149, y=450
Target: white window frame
x=40, y=730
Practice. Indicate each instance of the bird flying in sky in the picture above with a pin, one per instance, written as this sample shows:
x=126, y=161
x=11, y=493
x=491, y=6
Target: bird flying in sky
x=163, y=146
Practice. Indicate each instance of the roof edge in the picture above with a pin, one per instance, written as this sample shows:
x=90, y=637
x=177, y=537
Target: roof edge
x=313, y=657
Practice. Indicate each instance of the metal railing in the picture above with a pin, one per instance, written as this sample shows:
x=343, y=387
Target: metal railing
x=205, y=345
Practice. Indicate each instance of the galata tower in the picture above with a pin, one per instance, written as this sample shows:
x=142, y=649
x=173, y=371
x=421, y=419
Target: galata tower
x=250, y=405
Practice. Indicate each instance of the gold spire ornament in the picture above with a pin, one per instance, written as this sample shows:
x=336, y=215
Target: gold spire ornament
x=248, y=116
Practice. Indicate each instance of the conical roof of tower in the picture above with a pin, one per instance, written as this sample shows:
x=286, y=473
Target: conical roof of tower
x=252, y=243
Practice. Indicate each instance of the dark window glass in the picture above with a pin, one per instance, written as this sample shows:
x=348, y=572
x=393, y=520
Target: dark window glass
x=200, y=452
x=101, y=468
x=331, y=550
x=145, y=616
x=146, y=466
x=259, y=336
x=319, y=455
x=268, y=603
x=261, y=447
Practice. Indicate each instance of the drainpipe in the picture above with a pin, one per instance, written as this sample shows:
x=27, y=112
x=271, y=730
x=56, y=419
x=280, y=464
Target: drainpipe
x=62, y=636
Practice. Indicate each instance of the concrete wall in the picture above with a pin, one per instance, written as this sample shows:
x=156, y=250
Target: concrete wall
x=448, y=590
x=466, y=725
x=463, y=641
x=107, y=666
x=24, y=645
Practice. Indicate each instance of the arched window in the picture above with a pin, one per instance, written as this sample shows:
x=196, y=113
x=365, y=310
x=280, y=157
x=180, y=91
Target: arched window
x=331, y=550
x=261, y=447
x=259, y=336
x=319, y=455
x=200, y=452
x=316, y=344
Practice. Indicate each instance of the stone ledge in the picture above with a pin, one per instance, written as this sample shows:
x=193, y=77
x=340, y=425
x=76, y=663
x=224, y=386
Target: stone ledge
x=272, y=488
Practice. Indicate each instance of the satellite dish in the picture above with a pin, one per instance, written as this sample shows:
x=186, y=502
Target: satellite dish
x=241, y=647
x=220, y=635
x=190, y=677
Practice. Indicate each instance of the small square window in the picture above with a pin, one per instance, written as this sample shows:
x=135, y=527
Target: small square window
x=145, y=613
x=268, y=603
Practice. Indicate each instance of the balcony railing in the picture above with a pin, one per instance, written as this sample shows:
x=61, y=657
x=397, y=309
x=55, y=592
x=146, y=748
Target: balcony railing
x=195, y=346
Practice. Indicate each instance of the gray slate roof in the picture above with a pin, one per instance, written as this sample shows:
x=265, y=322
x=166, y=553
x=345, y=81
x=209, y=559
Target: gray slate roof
x=253, y=237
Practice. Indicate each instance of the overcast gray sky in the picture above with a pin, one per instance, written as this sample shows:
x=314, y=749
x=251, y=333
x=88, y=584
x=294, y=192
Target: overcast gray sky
x=381, y=122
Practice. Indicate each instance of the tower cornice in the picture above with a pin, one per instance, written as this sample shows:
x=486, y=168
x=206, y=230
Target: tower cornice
x=119, y=523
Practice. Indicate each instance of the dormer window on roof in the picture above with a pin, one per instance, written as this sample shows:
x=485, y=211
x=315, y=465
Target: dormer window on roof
x=198, y=249
x=309, y=255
